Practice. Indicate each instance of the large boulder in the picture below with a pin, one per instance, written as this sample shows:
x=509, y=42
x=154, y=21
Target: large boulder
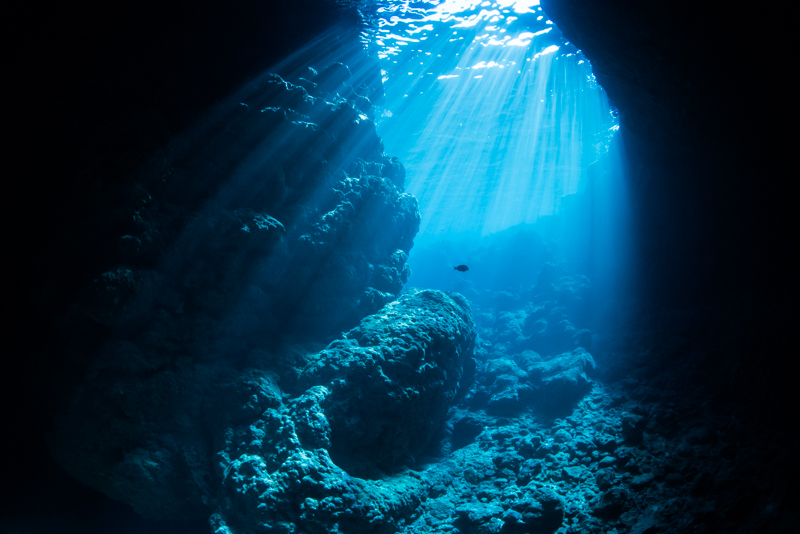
x=394, y=377
x=374, y=398
x=173, y=439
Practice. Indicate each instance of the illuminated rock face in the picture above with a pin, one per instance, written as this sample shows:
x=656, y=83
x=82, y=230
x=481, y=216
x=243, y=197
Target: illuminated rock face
x=287, y=204
x=174, y=442
x=393, y=378
x=277, y=222
x=374, y=399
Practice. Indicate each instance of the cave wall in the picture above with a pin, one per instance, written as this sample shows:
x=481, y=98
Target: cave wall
x=699, y=102
x=701, y=97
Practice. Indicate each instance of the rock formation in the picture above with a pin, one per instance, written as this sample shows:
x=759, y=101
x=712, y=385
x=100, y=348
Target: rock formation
x=258, y=234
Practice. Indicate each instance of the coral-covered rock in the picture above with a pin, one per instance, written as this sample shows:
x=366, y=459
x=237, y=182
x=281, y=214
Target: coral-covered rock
x=208, y=434
x=277, y=219
x=393, y=378
x=382, y=391
x=554, y=383
x=291, y=197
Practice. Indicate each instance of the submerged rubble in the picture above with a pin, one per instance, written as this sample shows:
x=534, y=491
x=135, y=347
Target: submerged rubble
x=538, y=443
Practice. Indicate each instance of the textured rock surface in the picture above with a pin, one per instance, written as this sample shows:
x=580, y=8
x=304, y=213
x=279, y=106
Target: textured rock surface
x=375, y=398
x=261, y=234
x=286, y=165
x=392, y=379
x=173, y=442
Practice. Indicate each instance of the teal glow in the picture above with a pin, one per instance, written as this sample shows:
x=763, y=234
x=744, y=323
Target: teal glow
x=495, y=120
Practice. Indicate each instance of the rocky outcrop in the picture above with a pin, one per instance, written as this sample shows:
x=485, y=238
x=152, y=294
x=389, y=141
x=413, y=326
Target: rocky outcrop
x=392, y=379
x=176, y=438
x=274, y=217
x=307, y=172
x=275, y=221
x=376, y=398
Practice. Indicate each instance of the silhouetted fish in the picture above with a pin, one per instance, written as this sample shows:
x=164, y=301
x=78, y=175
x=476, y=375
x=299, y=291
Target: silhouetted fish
x=461, y=268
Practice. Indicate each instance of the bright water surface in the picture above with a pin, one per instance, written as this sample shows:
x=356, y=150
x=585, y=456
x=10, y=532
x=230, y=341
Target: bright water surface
x=499, y=122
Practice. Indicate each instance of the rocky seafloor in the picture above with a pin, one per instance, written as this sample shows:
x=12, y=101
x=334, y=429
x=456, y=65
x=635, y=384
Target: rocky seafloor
x=250, y=354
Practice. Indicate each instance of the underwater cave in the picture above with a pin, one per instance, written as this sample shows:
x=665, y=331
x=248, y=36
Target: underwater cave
x=394, y=267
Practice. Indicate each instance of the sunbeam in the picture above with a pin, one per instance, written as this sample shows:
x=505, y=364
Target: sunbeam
x=495, y=120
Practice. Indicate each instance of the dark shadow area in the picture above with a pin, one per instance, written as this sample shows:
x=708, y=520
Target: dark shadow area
x=56, y=502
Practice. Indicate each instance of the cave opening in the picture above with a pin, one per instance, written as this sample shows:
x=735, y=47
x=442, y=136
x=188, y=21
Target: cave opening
x=505, y=134
x=495, y=118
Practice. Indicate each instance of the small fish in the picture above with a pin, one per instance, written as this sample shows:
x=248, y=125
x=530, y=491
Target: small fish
x=461, y=268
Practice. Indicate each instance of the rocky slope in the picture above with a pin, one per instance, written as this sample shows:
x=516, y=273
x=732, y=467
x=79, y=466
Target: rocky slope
x=257, y=234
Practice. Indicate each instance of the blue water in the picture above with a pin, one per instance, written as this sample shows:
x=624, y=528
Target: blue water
x=500, y=123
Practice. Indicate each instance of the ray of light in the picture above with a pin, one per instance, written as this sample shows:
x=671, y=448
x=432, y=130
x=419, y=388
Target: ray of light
x=496, y=122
